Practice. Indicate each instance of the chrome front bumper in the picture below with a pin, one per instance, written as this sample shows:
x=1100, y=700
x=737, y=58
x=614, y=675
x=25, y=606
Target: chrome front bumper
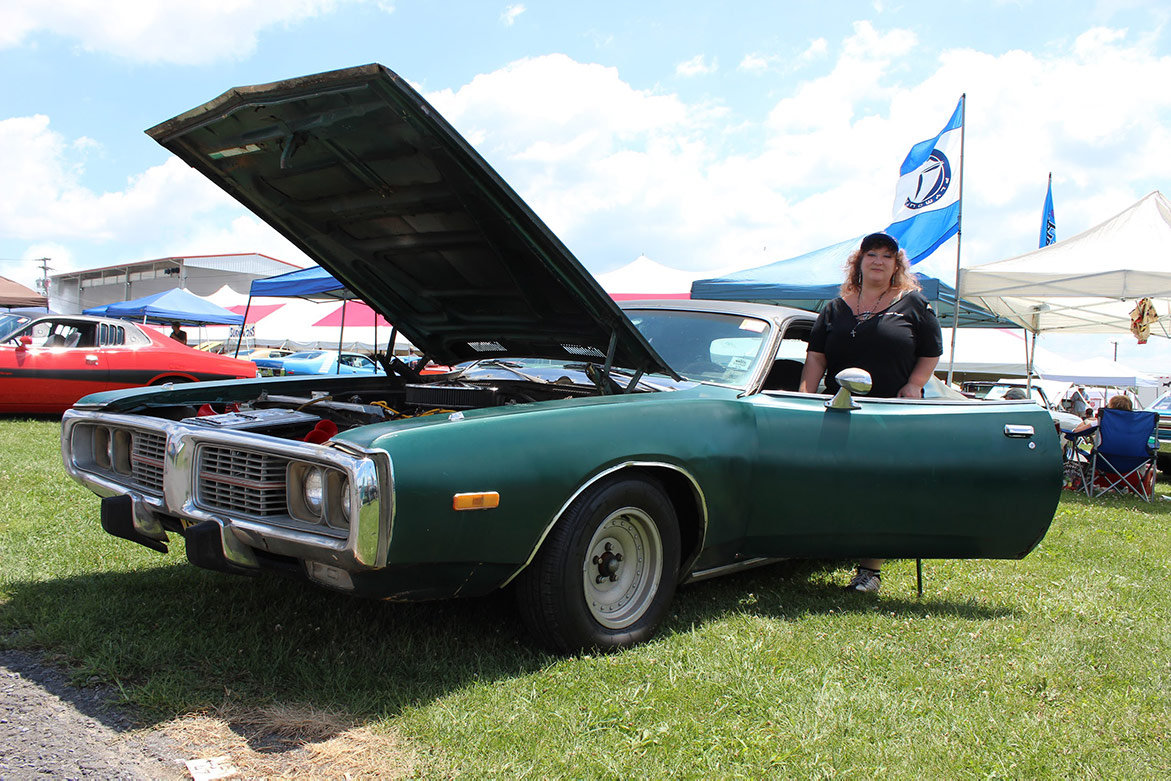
x=323, y=550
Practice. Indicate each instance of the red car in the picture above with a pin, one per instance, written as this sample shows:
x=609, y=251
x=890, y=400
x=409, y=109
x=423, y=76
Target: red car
x=51, y=362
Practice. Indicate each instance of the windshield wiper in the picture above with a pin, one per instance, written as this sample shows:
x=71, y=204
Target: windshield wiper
x=642, y=381
x=637, y=378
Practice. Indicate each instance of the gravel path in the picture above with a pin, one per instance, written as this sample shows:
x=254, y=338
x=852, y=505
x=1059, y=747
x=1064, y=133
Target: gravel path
x=51, y=730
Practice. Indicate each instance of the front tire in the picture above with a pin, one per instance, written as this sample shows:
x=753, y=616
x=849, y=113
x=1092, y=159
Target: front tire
x=606, y=573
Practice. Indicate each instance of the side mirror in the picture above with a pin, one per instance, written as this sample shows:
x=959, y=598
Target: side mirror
x=849, y=381
x=25, y=342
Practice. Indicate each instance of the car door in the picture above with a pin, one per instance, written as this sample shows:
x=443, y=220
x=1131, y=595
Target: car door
x=52, y=372
x=900, y=478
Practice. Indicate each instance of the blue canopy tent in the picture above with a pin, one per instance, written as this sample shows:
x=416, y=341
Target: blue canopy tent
x=169, y=306
x=314, y=284
x=811, y=280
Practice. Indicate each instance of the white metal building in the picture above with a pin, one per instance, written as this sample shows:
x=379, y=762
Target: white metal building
x=202, y=275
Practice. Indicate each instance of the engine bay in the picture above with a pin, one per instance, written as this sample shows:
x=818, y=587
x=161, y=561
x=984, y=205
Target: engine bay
x=346, y=404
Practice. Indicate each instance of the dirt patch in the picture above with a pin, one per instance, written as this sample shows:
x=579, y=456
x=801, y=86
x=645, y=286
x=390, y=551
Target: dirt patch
x=286, y=742
x=51, y=729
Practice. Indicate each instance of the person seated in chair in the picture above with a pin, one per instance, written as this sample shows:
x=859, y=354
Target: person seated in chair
x=1116, y=402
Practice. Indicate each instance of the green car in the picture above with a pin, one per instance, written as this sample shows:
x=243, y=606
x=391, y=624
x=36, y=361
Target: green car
x=589, y=457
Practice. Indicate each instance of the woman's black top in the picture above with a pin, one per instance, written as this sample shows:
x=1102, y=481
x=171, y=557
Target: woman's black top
x=887, y=345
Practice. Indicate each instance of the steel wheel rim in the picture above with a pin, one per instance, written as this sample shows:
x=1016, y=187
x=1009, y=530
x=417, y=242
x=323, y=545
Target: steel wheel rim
x=619, y=592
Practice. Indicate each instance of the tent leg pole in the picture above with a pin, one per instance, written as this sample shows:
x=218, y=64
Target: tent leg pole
x=919, y=577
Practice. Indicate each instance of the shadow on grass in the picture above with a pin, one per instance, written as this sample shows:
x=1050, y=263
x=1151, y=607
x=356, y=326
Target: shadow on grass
x=177, y=639
x=790, y=590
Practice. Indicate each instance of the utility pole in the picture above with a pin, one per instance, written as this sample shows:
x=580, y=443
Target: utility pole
x=43, y=282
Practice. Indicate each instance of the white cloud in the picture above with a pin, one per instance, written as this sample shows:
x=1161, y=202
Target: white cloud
x=755, y=63
x=186, y=33
x=168, y=209
x=509, y=15
x=817, y=49
x=696, y=66
x=44, y=195
x=618, y=171
x=575, y=140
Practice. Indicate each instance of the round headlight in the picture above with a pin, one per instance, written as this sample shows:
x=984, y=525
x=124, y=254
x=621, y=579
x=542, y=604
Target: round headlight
x=314, y=490
x=346, y=498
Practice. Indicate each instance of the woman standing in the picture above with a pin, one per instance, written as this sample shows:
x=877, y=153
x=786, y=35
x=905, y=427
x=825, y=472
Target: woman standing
x=882, y=324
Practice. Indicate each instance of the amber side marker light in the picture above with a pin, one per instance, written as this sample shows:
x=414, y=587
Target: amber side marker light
x=485, y=500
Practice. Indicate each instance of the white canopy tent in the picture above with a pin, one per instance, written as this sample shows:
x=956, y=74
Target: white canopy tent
x=998, y=352
x=1088, y=283
x=297, y=324
x=643, y=277
x=1101, y=372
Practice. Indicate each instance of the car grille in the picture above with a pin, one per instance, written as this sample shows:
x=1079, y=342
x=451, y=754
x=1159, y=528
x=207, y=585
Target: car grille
x=146, y=459
x=241, y=481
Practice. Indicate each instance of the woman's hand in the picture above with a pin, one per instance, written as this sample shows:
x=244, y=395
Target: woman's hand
x=911, y=391
x=919, y=376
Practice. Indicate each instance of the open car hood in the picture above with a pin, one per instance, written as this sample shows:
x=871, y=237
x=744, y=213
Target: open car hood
x=359, y=171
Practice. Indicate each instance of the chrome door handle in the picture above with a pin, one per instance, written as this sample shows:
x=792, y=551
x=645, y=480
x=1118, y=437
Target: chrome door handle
x=1017, y=431
x=92, y=360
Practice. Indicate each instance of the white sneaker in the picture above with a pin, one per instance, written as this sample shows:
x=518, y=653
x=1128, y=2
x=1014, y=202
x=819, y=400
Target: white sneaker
x=865, y=580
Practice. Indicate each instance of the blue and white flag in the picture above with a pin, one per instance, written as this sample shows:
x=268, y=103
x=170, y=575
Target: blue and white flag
x=927, y=196
x=1048, y=221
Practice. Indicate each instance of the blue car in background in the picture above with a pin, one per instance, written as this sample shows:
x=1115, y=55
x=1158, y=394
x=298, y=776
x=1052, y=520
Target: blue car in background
x=1162, y=405
x=318, y=362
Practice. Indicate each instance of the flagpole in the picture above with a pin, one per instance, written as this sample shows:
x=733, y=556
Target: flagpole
x=955, y=324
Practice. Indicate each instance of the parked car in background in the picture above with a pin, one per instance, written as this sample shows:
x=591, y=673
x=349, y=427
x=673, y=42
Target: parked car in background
x=1162, y=405
x=50, y=362
x=589, y=457
x=254, y=354
x=318, y=362
x=993, y=391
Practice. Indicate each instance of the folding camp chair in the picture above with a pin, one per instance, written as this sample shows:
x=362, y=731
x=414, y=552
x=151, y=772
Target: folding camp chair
x=1124, y=459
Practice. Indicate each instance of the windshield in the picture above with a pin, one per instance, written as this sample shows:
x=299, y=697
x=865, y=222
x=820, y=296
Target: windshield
x=10, y=322
x=705, y=346
x=1015, y=392
x=1162, y=404
x=993, y=392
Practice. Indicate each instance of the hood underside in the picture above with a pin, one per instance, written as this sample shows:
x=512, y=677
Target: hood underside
x=361, y=173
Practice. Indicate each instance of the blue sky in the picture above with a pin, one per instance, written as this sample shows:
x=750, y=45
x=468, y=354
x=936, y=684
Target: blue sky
x=707, y=137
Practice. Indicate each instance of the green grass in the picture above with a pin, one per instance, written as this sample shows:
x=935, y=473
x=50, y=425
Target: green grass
x=1056, y=665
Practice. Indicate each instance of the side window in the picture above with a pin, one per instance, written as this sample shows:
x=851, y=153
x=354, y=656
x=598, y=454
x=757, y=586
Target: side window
x=785, y=373
x=40, y=333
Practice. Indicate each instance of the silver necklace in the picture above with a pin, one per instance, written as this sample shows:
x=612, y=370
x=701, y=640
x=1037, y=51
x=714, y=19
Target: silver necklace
x=864, y=315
